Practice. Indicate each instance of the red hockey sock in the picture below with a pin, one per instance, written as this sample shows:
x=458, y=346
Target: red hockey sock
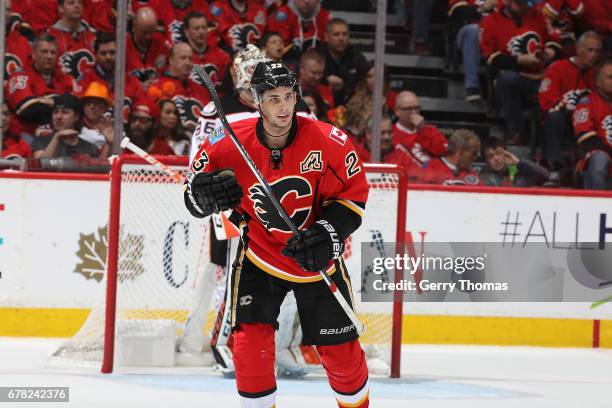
x=347, y=372
x=254, y=363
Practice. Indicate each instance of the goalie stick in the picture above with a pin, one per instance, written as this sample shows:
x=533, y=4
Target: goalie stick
x=268, y=191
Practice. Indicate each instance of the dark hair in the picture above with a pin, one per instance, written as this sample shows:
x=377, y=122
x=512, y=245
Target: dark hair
x=601, y=66
x=102, y=38
x=177, y=133
x=493, y=143
x=322, y=107
x=266, y=37
x=335, y=21
x=45, y=37
x=192, y=15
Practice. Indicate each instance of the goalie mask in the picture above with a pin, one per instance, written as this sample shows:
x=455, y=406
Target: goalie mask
x=270, y=75
x=245, y=62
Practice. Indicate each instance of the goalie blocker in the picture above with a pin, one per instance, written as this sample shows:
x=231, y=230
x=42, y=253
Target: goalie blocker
x=316, y=174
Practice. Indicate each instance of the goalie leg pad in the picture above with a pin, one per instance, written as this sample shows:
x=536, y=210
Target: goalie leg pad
x=254, y=360
x=347, y=371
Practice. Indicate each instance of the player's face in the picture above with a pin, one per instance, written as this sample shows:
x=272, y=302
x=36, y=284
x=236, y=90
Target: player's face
x=44, y=57
x=274, y=47
x=467, y=155
x=604, y=80
x=181, y=61
x=311, y=73
x=337, y=37
x=64, y=118
x=495, y=158
x=169, y=116
x=6, y=118
x=589, y=52
x=72, y=9
x=197, y=31
x=106, y=56
x=277, y=106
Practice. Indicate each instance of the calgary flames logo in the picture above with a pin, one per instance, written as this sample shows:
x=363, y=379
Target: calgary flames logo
x=526, y=43
x=74, y=63
x=213, y=73
x=176, y=32
x=607, y=127
x=189, y=110
x=12, y=64
x=294, y=194
x=243, y=34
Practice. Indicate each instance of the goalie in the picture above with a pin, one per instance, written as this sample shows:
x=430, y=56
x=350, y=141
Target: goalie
x=315, y=172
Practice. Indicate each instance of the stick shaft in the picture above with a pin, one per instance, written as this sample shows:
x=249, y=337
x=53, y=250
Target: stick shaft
x=127, y=144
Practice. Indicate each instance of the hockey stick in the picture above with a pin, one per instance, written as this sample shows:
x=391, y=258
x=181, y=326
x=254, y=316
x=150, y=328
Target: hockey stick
x=268, y=191
x=126, y=143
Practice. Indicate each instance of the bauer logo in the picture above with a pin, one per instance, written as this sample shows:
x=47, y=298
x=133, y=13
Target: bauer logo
x=92, y=254
x=339, y=330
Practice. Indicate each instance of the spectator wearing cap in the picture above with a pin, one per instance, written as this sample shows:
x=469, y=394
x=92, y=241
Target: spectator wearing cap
x=64, y=140
x=504, y=169
x=97, y=125
x=343, y=62
x=516, y=43
x=421, y=140
x=12, y=144
x=29, y=91
x=566, y=82
x=142, y=127
x=176, y=84
x=455, y=168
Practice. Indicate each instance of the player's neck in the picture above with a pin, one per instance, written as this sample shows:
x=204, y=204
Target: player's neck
x=276, y=137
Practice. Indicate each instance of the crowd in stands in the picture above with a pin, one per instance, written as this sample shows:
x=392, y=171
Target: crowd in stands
x=544, y=61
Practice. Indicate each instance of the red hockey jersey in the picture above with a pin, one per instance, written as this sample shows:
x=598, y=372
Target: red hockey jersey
x=304, y=34
x=319, y=166
x=172, y=17
x=423, y=145
x=188, y=97
x=214, y=62
x=149, y=63
x=18, y=54
x=564, y=84
x=100, y=15
x=39, y=14
x=26, y=86
x=502, y=35
x=593, y=118
x=236, y=29
x=440, y=171
x=598, y=16
x=74, y=49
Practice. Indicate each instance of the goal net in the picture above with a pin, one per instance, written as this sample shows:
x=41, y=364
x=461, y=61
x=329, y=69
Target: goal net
x=158, y=259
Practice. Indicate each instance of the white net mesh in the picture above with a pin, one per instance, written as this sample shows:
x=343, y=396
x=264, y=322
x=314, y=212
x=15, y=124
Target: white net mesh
x=163, y=252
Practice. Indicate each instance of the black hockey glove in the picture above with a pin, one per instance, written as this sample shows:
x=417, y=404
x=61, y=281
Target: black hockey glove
x=216, y=191
x=315, y=247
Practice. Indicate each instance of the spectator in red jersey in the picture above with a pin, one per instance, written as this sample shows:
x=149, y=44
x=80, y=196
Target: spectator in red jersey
x=593, y=128
x=105, y=48
x=456, y=167
x=466, y=16
x=175, y=84
x=565, y=83
x=360, y=106
x=74, y=39
x=170, y=128
x=597, y=16
x=97, y=125
x=388, y=152
x=101, y=15
x=421, y=140
x=312, y=67
x=516, y=43
x=64, y=140
x=210, y=57
x=239, y=22
x=562, y=15
x=17, y=52
x=301, y=23
x=146, y=49
x=273, y=45
x=12, y=144
x=38, y=14
x=142, y=125
x=504, y=169
x=343, y=62
x=173, y=12
x=29, y=90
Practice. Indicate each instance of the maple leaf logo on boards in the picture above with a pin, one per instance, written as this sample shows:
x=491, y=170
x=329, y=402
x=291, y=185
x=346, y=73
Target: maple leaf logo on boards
x=93, y=250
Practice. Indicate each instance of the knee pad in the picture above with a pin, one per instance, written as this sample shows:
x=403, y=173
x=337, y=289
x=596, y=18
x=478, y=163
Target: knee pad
x=254, y=359
x=347, y=371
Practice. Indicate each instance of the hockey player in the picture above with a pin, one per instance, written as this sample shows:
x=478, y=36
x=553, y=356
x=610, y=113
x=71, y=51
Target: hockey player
x=315, y=171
